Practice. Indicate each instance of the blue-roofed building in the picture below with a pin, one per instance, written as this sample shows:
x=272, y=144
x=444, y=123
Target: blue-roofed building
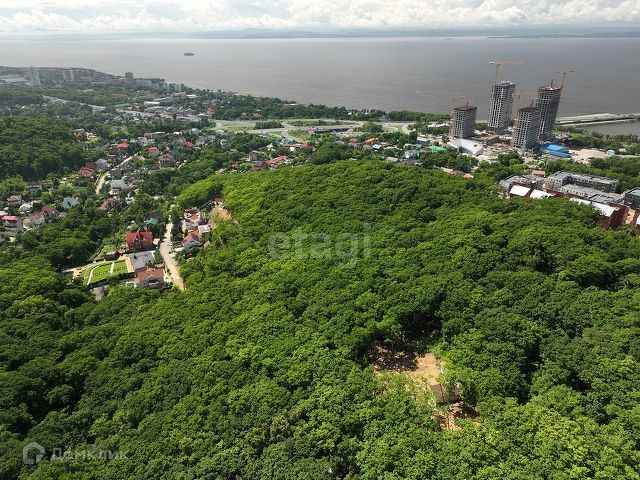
x=555, y=150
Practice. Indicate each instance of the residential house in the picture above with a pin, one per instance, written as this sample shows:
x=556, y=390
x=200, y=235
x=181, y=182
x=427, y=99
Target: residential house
x=35, y=187
x=192, y=218
x=122, y=148
x=141, y=260
x=14, y=200
x=277, y=161
x=34, y=220
x=50, y=213
x=151, y=223
x=11, y=223
x=153, y=151
x=85, y=172
x=150, y=277
x=69, y=202
x=102, y=164
x=166, y=161
x=25, y=208
x=192, y=240
x=139, y=241
x=118, y=186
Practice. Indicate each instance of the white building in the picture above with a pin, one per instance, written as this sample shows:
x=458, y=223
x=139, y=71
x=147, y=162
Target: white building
x=466, y=146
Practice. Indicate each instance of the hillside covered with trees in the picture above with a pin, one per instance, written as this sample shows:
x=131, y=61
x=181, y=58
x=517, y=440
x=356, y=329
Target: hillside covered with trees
x=34, y=147
x=262, y=368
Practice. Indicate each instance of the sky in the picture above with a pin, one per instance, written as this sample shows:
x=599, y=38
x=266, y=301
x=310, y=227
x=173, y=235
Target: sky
x=104, y=16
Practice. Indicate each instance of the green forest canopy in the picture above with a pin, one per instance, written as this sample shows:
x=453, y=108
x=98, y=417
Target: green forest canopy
x=34, y=147
x=262, y=368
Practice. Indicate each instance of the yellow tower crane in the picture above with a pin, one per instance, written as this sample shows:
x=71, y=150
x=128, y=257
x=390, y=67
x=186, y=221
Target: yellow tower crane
x=564, y=77
x=499, y=63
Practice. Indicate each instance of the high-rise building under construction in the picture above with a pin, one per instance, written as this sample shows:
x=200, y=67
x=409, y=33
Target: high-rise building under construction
x=548, y=102
x=464, y=121
x=501, y=106
x=526, y=127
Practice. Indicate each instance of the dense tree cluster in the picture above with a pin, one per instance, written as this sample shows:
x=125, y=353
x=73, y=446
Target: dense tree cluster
x=262, y=368
x=34, y=147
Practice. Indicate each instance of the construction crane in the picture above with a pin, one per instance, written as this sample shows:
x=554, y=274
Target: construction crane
x=564, y=77
x=517, y=96
x=499, y=63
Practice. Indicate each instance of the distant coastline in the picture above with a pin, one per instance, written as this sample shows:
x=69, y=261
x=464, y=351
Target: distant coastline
x=258, y=33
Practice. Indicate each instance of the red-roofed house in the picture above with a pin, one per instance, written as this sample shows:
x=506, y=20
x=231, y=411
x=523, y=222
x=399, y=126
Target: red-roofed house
x=150, y=277
x=153, y=151
x=139, y=241
x=277, y=161
x=192, y=240
x=192, y=218
x=11, y=223
x=50, y=213
x=87, y=173
x=188, y=144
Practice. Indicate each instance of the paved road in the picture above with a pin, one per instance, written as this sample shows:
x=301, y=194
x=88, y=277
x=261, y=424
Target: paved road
x=102, y=177
x=170, y=262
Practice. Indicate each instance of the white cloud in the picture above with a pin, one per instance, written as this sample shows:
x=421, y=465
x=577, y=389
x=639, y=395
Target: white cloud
x=192, y=15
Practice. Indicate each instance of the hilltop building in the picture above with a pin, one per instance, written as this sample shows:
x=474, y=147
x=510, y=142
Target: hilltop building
x=548, y=101
x=464, y=121
x=563, y=178
x=500, y=107
x=34, y=76
x=525, y=131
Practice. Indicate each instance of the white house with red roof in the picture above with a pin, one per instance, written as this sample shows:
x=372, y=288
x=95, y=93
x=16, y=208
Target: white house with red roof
x=192, y=218
x=11, y=223
x=192, y=240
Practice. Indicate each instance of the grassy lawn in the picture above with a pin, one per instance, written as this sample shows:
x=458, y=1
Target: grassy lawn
x=120, y=267
x=101, y=272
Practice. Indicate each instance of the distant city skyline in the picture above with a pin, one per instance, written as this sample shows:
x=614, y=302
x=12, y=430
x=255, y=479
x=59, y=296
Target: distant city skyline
x=104, y=16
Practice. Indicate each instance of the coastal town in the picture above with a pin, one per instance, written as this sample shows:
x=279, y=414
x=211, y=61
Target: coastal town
x=160, y=134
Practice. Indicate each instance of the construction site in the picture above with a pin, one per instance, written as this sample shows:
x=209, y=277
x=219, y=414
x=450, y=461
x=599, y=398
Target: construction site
x=512, y=123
